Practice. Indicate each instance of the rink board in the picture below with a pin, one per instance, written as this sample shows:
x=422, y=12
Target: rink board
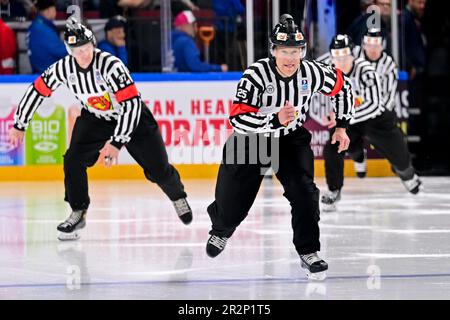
x=191, y=111
x=375, y=168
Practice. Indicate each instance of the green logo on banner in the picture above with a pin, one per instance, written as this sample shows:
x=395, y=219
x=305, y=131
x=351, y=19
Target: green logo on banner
x=46, y=138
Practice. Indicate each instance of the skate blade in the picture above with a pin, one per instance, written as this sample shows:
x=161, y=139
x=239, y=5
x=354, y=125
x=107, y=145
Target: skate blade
x=421, y=189
x=361, y=175
x=316, y=276
x=328, y=207
x=417, y=190
x=71, y=236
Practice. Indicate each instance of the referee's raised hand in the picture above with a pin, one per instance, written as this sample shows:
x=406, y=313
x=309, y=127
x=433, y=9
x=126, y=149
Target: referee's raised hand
x=16, y=137
x=286, y=114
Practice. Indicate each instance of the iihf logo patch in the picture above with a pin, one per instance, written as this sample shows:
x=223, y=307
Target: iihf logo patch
x=304, y=84
x=270, y=89
x=98, y=77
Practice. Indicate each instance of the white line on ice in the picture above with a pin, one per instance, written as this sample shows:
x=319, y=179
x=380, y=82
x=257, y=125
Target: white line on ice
x=396, y=255
x=413, y=231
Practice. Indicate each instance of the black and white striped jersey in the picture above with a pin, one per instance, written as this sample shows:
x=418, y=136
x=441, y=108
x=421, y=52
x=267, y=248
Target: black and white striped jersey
x=386, y=68
x=105, y=89
x=262, y=91
x=367, y=89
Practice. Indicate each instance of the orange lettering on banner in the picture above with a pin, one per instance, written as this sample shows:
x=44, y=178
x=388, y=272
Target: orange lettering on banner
x=157, y=111
x=195, y=107
x=207, y=104
x=166, y=131
x=217, y=124
x=170, y=107
x=157, y=107
x=220, y=109
x=210, y=107
x=200, y=133
x=181, y=131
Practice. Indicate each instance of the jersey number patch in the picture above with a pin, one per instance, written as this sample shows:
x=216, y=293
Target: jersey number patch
x=242, y=93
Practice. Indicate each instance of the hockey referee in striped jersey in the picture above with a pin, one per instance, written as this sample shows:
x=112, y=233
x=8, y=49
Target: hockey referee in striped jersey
x=272, y=99
x=113, y=116
x=373, y=121
x=385, y=66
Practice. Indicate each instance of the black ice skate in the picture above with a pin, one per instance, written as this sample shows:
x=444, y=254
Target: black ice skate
x=361, y=167
x=314, y=266
x=183, y=210
x=215, y=245
x=69, y=229
x=329, y=200
x=413, y=185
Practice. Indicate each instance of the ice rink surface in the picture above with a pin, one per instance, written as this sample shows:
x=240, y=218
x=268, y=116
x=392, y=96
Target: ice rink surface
x=383, y=243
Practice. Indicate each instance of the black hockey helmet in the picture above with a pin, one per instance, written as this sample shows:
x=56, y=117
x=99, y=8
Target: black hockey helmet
x=286, y=33
x=373, y=36
x=341, y=45
x=77, y=34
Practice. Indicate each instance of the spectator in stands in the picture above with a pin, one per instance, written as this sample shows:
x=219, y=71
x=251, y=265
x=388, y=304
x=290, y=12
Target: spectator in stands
x=178, y=5
x=11, y=10
x=415, y=58
x=414, y=62
x=187, y=55
x=8, y=49
x=110, y=8
x=364, y=4
x=229, y=9
x=191, y=5
x=141, y=4
x=359, y=26
x=45, y=46
x=114, y=42
x=228, y=14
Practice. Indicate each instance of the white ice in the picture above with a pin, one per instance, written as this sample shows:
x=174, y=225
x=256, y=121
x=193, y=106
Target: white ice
x=382, y=243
